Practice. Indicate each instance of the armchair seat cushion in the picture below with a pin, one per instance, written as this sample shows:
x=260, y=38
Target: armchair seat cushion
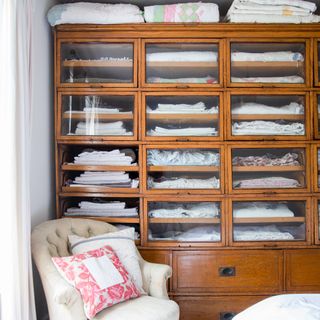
x=145, y=307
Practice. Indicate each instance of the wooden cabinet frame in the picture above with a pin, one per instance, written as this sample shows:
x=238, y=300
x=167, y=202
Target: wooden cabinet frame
x=284, y=40
x=147, y=138
x=315, y=114
x=316, y=44
x=268, y=145
x=108, y=92
x=184, y=86
x=168, y=146
x=266, y=92
x=308, y=221
x=184, y=244
x=101, y=39
x=315, y=167
x=316, y=220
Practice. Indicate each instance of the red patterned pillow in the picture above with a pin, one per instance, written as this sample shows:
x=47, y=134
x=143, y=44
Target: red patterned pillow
x=100, y=278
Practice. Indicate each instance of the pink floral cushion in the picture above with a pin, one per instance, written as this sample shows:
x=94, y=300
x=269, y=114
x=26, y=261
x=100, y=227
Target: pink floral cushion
x=100, y=278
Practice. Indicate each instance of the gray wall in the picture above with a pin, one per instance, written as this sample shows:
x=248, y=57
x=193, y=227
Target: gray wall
x=42, y=147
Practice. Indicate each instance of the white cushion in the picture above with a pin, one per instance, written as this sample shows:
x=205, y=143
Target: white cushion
x=122, y=242
x=145, y=307
x=284, y=307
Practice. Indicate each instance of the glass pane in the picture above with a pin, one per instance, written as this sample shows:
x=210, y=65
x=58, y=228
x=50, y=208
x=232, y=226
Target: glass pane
x=182, y=116
x=268, y=115
x=101, y=179
x=91, y=115
x=269, y=220
x=268, y=63
x=97, y=62
x=182, y=63
x=184, y=221
x=102, y=207
x=318, y=109
x=99, y=155
x=183, y=168
x=263, y=168
x=318, y=166
x=318, y=61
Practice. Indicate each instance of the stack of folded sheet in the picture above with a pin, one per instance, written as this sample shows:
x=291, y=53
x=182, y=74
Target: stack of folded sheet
x=97, y=13
x=266, y=182
x=116, y=128
x=182, y=108
x=123, y=226
x=191, y=131
x=156, y=157
x=102, y=209
x=273, y=11
x=182, y=12
x=185, y=210
x=183, y=183
x=114, y=179
x=125, y=157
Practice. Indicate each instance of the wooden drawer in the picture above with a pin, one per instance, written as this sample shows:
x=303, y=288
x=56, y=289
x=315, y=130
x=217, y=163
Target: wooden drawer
x=222, y=271
x=156, y=256
x=302, y=270
x=213, y=308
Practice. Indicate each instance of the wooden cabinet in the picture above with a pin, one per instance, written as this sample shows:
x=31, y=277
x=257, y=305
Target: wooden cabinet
x=205, y=139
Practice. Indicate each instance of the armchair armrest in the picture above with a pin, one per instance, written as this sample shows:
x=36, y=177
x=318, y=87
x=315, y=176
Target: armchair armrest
x=155, y=278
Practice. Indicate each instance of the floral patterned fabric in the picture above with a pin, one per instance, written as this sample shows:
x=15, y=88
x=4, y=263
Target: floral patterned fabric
x=94, y=289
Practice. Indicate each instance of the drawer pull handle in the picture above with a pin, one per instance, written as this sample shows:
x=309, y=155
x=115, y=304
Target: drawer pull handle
x=227, y=271
x=227, y=315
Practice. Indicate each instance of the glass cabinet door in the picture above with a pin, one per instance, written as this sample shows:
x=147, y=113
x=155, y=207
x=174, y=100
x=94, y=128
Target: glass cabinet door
x=275, y=220
x=259, y=63
x=182, y=64
x=184, y=221
x=316, y=114
x=260, y=117
x=83, y=116
x=175, y=169
x=317, y=63
x=259, y=169
x=99, y=168
x=105, y=63
x=182, y=116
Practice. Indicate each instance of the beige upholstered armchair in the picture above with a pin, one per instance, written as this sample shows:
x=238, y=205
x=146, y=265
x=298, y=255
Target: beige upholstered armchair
x=64, y=302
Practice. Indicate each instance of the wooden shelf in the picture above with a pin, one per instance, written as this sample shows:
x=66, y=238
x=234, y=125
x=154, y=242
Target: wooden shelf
x=289, y=117
x=182, y=64
x=100, y=116
x=267, y=168
x=108, y=219
x=97, y=64
x=185, y=220
x=75, y=167
x=269, y=220
x=183, y=117
x=100, y=189
x=183, y=168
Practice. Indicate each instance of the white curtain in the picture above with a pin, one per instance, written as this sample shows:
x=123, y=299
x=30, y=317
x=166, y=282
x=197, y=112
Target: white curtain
x=16, y=285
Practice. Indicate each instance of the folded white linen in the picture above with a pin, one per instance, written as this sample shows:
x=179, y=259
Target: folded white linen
x=207, y=80
x=105, y=110
x=183, y=108
x=277, y=11
x=159, y=131
x=185, y=210
x=264, y=8
x=284, y=79
x=97, y=13
x=295, y=3
x=194, y=157
x=260, y=127
x=261, y=233
x=267, y=56
x=259, y=108
x=184, y=183
x=188, y=56
x=182, y=12
x=261, y=210
x=266, y=182
x=101, y=128
x=269, y=18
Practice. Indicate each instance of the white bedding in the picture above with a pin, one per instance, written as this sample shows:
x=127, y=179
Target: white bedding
x=259, y=108
x=188, y=56
x=284, y=307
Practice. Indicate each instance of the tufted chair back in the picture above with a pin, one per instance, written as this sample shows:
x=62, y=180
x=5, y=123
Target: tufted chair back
x=51, y=239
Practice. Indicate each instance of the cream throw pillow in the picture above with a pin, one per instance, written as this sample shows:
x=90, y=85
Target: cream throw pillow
x=122, y=242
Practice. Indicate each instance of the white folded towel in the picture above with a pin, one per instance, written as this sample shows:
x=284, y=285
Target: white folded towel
x=97, y=13
x=192, y=56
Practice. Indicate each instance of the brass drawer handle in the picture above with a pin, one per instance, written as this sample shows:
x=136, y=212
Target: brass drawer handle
x=227, y=315
x=227, y=271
